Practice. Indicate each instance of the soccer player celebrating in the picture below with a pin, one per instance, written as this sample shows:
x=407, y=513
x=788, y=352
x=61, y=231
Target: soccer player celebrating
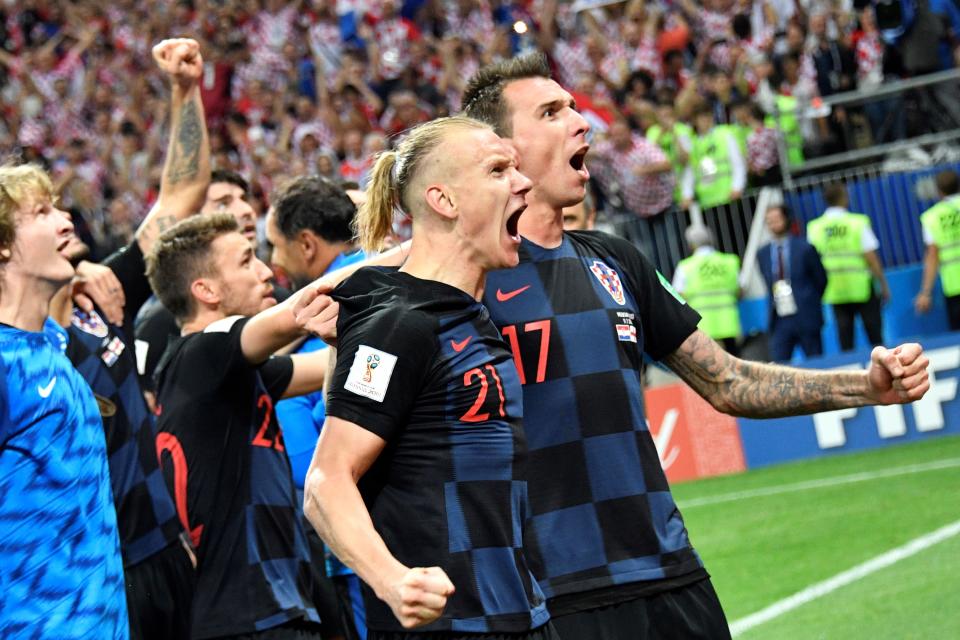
x=222, y=450
x=418, y=482
x=62, y=575
x=158, y=568
x=607, y=541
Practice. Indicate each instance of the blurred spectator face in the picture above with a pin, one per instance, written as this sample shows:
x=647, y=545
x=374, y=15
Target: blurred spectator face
x=620, y=135
x=703, y=122
x=741, y=114
x=795, y=37
x=374, y=143
x=868, y=21
x=325, y=165
x=666, y=116
x=353, y=143
x=76, y=151
x=62, y=88
x=389, y=8
x=407, y=110
x=226, y=197
x=120, y=217
x=776, y=222
x=791, y=70
x=308, y=145
x=551, y=138
x=596, y=49
x=304, y=108
x=818, y=25
x=577, y=218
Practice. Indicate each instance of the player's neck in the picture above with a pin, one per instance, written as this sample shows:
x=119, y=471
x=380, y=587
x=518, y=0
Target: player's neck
x=542, y=225
x=429, y=261
x=203, y=319
x=61, y=306
x=23, y=306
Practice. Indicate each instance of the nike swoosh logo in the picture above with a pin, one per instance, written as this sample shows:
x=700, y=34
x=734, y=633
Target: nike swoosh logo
x=47, y=390
x=460, y=346
x=503, y=297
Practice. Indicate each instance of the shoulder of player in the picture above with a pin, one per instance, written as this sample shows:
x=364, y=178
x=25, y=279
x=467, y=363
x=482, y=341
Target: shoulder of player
x=394, y=322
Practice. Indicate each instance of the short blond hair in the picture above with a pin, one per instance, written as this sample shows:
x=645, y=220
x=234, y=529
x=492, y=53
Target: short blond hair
x=19, y=183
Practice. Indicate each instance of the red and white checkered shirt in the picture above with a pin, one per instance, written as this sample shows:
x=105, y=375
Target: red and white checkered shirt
x=647, y=58
x=644, y=195
x=393, y=36
x=762, y=151
x=869, y=60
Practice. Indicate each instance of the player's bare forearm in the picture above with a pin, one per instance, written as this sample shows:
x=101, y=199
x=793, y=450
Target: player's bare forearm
x=309, y=373
x=335, y=508
x=760, y=390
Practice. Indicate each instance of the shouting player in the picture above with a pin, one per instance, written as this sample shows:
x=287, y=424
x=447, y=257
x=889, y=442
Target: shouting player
x=418, y=479
x=608, y=542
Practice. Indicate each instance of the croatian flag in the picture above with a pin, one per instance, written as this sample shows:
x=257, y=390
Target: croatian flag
x=626, y=333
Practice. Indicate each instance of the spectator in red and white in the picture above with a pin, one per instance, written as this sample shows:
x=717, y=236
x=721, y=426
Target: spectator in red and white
x=763, y=154
x=387, y=36
x=885, y=115
x=354, y=163
x=471, y=20
x=638, y=173
x=404, y=112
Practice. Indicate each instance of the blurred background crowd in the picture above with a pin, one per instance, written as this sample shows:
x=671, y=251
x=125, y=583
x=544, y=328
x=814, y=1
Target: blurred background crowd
x=294, y=87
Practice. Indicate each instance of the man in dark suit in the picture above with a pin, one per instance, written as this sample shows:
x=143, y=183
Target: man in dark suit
x=796, y=280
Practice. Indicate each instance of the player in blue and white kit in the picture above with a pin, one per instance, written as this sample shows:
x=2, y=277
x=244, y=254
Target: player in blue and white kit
x=62, y=574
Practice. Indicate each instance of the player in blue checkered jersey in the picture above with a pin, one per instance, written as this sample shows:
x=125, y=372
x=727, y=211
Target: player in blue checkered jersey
x=418, y=480
x=606, y=538
x=62, y=574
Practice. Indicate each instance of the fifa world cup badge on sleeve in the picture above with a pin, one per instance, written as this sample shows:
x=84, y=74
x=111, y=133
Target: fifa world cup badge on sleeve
x=370, y=373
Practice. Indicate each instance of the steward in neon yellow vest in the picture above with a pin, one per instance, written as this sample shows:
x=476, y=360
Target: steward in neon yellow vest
x=838, y=240
x=668, y=139
x=942, y=222
x=787, y=121
x=712, y=289
x=712, y=170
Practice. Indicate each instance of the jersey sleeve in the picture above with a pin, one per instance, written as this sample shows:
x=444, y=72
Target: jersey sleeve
x=667, y=320
x=384, y=356
x=215, y=355
x=276, y=373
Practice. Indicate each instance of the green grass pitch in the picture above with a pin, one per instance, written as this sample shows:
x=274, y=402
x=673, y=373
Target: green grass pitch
x=763, y=548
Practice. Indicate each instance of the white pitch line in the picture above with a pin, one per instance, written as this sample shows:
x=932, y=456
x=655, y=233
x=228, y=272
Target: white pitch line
x=946, y=463
x=842, y=579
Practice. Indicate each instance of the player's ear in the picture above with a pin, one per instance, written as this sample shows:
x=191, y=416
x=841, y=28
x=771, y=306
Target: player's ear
x=204, y=290
x=440, y=198
x=307, y=242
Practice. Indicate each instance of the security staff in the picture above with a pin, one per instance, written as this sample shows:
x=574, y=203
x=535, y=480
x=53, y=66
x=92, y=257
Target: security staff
x=941, y=234
x=785, y=119
x=675, y=138
x=717, y=173
x=848, y=247
x=708, y=281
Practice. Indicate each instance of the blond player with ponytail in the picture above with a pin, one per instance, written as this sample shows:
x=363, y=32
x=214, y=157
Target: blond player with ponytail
x=424, y=408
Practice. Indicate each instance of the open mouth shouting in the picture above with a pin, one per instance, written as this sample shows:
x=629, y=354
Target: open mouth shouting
x=577, y=162
x=513, y=222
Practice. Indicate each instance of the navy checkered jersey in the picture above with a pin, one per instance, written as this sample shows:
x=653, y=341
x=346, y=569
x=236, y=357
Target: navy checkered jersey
x=104, y=356
x=223, y=457
x=577, y=319
x=146, y=515
x=421, y=366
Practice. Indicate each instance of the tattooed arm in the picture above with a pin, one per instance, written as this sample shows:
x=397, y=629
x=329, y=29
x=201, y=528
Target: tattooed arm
x=760, y=390
x=186, y=170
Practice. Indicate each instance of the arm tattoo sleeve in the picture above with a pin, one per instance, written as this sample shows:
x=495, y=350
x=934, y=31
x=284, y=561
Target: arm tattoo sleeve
x=188, y=137
x=760, y=390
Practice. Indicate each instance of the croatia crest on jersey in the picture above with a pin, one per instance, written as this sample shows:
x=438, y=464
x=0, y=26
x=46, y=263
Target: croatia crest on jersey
x=90, y=322
x=610, y=280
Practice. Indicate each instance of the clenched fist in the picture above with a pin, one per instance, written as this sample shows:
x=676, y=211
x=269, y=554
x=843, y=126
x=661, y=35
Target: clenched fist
x=180, y=59
x=420, y=596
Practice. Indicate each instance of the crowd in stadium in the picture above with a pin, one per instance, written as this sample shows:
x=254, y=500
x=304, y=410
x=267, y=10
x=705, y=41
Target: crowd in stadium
x=318, y=86
x=187, y=477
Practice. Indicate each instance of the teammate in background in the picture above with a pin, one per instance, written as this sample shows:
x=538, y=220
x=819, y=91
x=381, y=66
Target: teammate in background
x=795, y=280
x=848, y=248
x=222, y=449
x=158, y=568
x=62, y=573
x=309, y=227
x=226, y=192
x=606, y=537
x=418, y=479
x=941, y=234
x=581, y=216
x=708, y=279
